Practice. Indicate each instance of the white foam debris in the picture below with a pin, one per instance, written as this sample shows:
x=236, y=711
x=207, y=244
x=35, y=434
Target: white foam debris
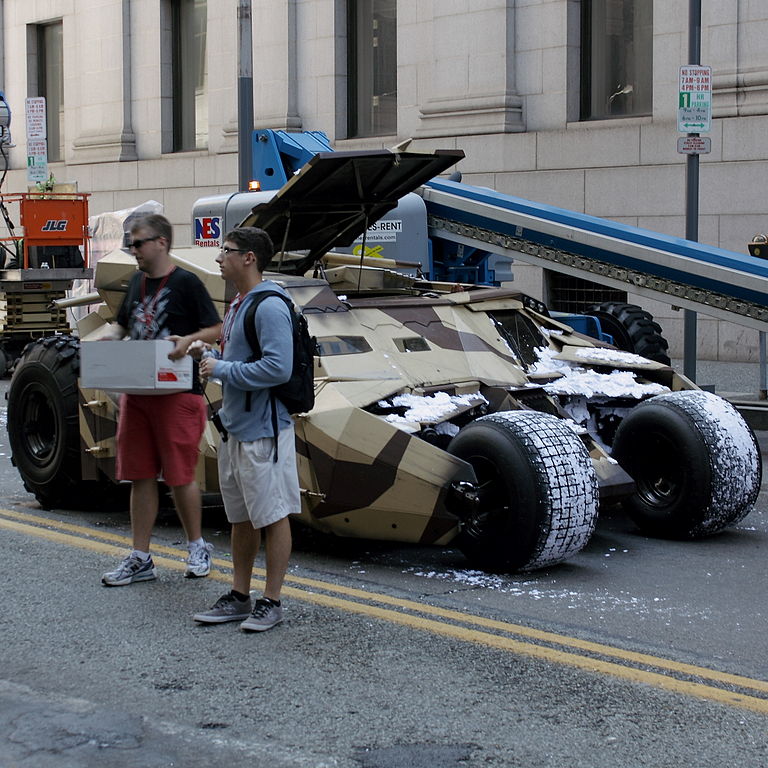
x=575, y=426
x=575, y=380
x=548, y=363
x=614, y=384
x=428, y=408
x=612, y=356
x=597, y=599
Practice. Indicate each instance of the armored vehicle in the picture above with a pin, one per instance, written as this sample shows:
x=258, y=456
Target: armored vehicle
x=446, y=413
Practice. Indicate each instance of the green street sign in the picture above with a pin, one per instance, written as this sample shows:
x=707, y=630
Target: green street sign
x=694, y=105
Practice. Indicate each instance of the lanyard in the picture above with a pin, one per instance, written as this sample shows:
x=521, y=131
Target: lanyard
x=151, y=307
x=229, y=321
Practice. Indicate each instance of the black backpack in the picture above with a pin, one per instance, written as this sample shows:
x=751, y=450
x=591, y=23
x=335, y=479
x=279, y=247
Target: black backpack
x=298, y=393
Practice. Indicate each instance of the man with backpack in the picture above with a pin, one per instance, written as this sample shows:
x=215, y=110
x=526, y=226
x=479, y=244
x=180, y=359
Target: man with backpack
x=257, y=454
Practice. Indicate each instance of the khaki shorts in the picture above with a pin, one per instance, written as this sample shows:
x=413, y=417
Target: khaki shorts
x=253, y=486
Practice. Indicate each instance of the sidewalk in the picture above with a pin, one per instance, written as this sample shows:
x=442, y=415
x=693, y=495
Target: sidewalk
x=734, y=381
x=737, y=382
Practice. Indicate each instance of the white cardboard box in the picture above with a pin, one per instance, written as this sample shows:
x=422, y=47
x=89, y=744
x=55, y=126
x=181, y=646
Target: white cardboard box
x=134, y=367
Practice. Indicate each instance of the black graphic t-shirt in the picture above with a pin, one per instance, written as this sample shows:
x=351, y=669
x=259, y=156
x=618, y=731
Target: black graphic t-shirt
x=174, y=305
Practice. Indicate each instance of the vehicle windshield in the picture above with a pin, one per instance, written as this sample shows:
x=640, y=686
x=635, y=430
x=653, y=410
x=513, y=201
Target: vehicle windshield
x=521, y=334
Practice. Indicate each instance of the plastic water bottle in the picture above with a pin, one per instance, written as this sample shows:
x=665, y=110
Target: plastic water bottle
x=208, y=353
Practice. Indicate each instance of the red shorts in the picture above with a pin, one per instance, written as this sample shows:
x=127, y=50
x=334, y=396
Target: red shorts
x=160, y=434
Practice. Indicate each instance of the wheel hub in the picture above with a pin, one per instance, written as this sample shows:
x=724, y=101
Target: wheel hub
x=40, y=427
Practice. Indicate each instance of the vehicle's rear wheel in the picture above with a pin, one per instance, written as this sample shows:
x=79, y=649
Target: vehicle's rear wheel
x=43, y=424
x=633, y=329
x=695, y=462
x=537, y=488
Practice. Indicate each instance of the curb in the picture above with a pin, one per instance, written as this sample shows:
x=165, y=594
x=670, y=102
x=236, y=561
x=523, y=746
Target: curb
x=755, y=415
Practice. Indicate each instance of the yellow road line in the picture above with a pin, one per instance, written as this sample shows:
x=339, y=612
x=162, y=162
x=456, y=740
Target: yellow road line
x=517, y=629
x=54, y=528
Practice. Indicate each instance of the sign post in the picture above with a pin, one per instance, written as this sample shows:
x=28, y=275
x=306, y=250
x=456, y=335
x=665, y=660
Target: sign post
x=694, y=116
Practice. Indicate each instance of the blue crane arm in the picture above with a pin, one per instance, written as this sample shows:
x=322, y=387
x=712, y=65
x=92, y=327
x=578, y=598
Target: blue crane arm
x=696, y=276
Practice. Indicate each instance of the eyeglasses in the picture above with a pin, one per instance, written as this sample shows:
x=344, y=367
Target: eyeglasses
x=138, y=243
x=226, y=251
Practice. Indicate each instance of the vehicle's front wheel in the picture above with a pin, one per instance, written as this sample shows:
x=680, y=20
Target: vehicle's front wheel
x=538, y=495
x=695, y=462
x=43, y=422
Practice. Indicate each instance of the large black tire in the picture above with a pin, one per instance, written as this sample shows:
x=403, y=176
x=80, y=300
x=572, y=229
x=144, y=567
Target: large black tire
x=537, y=489
x=633, y=329
x=695, y=462
x=43, y=424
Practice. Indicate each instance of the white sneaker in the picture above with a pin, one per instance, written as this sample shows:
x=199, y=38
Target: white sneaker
x=199, y=561
x=131, y=569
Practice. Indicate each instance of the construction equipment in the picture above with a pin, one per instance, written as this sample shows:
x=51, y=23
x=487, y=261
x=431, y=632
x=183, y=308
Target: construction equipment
x=467, y=233
x=40, y=263
x=445, y=413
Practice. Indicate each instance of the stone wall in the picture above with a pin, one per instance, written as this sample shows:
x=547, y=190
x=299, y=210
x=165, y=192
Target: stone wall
x=497, y=78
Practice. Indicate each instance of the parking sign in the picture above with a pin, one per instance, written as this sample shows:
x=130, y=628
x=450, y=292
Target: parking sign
x=694, y=107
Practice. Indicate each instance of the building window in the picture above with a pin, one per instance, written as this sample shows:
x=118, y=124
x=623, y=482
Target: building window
x=372, y=67
x=616, y=58
x=190, y=75
x=50, y=84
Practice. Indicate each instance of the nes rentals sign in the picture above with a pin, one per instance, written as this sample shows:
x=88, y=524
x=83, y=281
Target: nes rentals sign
x=694, y=106
x=208, y=231
x=383, y=231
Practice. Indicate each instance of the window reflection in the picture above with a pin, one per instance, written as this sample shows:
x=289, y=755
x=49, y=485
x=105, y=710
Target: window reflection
x=372, y=67
x=617, y=58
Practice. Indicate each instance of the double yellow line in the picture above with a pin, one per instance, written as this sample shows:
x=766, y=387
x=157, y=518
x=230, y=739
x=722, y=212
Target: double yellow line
x=678, y=677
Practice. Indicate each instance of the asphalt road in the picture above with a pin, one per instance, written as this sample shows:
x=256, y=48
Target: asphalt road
x=637, y=652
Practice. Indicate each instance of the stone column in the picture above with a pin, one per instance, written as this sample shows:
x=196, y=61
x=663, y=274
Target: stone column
x=473, y=71
x=275, y=65
x=103, y=128
x=734, y=46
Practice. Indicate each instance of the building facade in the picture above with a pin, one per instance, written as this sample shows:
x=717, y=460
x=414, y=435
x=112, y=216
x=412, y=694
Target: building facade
x=567, y=102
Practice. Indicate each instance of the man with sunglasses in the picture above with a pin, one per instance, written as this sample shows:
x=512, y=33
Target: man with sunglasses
x=159, y=435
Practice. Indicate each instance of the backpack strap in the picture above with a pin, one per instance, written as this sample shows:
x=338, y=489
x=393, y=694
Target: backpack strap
x=249, y=327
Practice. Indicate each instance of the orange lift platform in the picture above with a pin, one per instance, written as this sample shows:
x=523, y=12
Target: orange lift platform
x=39, y=264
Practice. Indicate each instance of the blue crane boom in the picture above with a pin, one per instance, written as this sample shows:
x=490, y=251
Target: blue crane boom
x=470, y=227
x=724, y=284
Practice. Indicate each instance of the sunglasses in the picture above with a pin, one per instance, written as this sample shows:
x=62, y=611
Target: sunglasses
x=138, y=243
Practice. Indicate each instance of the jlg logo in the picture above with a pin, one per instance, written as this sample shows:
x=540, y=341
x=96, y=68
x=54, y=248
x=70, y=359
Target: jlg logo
x=55, y=225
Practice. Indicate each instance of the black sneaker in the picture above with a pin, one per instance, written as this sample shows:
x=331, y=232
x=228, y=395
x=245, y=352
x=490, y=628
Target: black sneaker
x=226, y=608
x=265, y=615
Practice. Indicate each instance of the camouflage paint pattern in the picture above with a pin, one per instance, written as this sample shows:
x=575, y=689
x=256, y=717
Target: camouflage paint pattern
x=361, y=475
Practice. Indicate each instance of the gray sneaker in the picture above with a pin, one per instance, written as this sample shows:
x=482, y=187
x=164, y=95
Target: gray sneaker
x=199, y=561
x=226, y=608
x=130, y=569
x=263, y=616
